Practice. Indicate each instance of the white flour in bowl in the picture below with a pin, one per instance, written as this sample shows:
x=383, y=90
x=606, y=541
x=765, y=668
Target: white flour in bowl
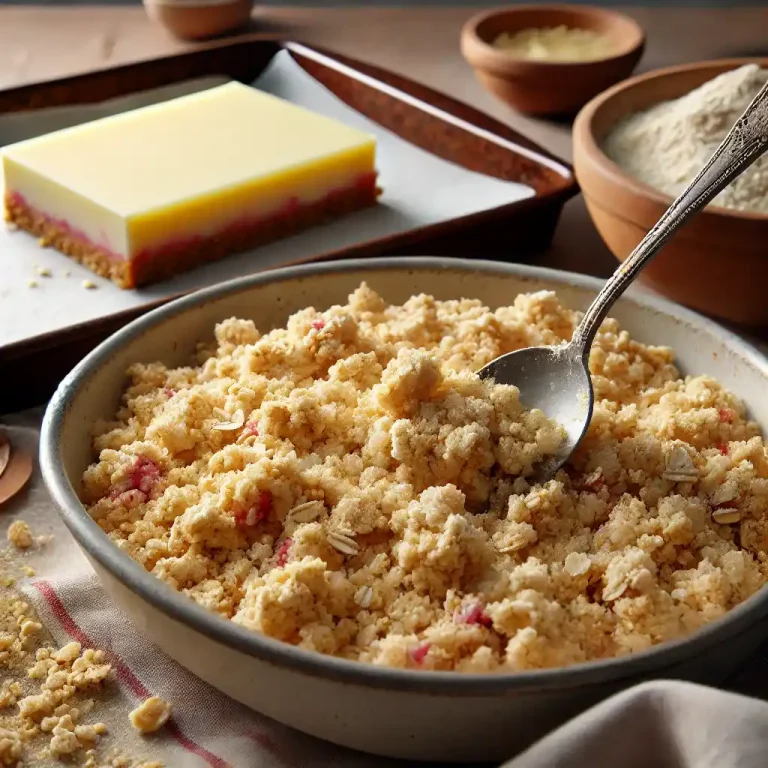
x=668, y=144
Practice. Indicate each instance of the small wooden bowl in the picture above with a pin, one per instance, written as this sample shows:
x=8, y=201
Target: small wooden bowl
x=718, y=263
x=199, y=19
x=542, y=87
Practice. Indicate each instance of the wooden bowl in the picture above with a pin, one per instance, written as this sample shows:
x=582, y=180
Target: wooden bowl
x=199, y=19
x=542, y=87
x=718, y=263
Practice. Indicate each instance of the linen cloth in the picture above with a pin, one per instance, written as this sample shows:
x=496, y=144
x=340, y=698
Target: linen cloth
x=655, y=725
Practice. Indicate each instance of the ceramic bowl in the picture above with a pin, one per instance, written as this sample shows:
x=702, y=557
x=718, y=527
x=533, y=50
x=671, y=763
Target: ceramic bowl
x=718, y=263
x=549, y=88
x=440, y=716
x=199, y=19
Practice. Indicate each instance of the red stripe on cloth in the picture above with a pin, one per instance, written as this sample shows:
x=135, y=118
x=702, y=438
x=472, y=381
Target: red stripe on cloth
x=122, y=671
x=265, y=741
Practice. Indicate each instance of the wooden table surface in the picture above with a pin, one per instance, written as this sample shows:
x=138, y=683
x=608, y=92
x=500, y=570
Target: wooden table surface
x=421, y=43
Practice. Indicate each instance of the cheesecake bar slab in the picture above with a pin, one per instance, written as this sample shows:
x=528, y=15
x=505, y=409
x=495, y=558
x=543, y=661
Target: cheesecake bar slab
x=143, y=195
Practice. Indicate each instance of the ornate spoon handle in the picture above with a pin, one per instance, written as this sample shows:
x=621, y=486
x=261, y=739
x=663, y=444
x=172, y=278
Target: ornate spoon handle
x=746, y=141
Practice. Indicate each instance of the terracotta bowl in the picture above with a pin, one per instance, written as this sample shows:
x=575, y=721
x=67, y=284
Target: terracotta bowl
x=199, y=19
x=549, y=88
x=440, y=716
x=718, y=263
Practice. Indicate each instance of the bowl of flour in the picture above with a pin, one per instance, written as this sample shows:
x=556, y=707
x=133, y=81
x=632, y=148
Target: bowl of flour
x=639, y=144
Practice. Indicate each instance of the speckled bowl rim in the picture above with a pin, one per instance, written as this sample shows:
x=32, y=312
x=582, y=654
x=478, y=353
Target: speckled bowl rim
x=180, y=608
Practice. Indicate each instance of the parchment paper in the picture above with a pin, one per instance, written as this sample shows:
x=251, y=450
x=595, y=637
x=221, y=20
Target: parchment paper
x=419, y=189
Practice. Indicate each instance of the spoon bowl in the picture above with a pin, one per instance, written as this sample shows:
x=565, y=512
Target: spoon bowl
x=556, y=381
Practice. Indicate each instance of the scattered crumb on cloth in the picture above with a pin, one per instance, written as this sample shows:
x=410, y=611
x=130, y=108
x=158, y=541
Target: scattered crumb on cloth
x=151, y=715
x=47, y=692
x=50, y=694
x=348, y=485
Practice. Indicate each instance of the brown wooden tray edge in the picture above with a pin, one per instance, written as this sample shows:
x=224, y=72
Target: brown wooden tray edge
x=91, y=332
x=413, y=242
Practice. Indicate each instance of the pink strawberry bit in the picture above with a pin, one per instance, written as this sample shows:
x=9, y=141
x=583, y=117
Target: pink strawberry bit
x=250, y=429
x=241, y=517
x=318, y=324
x=593, y=481
x=474, y=613
x=169, y=393
x=419, y=653
x=265, y=502
x=141, y=477
x=128, y=499
x=726, y=415
x=723, y=448
x=144, y=474
x=282, y=552
x=248, y=518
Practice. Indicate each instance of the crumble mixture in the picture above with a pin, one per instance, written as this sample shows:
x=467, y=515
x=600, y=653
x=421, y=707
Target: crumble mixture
x=348, y=485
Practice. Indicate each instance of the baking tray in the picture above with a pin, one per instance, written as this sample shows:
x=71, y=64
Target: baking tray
x=32, y=363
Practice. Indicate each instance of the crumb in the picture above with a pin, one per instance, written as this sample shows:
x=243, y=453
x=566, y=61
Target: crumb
x=11, y=747
x=32, y=284
x=29, y=627
x=19, y=535
x=44, y=272
x=151, y=715
x=89, y=285
x=43, y=242
x=67, y=273
x=45, y=691
x=27, y=571
x=348, y=484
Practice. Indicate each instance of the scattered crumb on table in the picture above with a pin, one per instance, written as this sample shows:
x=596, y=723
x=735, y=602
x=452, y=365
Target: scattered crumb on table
x=19, y=535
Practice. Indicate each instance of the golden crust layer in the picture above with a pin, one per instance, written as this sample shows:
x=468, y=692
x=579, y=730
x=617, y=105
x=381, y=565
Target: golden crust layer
x=183, y=256
x=51, y=234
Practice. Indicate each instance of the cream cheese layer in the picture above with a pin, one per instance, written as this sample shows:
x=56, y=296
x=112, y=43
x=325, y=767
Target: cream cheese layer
x=186, y=168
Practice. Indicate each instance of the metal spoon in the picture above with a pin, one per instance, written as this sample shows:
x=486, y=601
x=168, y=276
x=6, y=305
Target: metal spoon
x=556, y=379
